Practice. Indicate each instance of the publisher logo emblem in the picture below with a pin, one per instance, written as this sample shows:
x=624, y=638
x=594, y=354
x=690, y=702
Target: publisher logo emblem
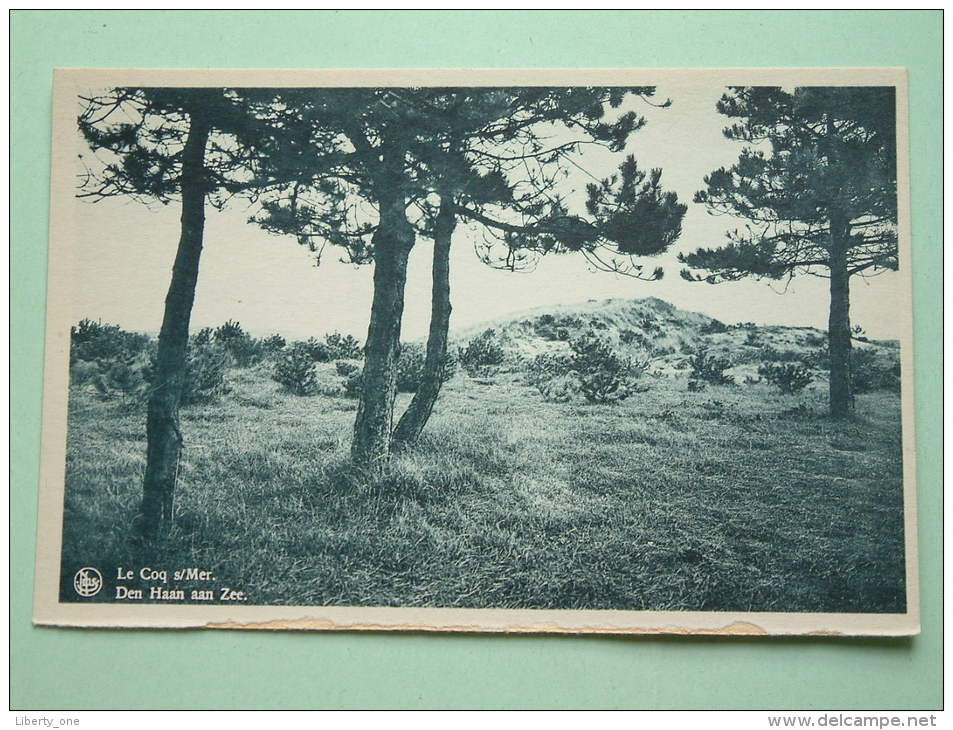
x=87, y=582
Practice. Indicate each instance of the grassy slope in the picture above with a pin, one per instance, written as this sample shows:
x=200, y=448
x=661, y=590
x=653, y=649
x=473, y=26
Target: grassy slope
x=670, y=500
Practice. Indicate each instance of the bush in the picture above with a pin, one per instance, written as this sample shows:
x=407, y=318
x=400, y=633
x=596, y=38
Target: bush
x=815, y=339
x=120, y=377
x=868, y=372
x=205, y=367
x=317, y=350
x=772, y=354
x=753, y=339
x=244, y=349
x=560, y=389
x=94, y=341
x=410, y=367
x=203, y=336
x=545, y=326
x=819, y=359
x=714, y=327
x=231, y=330
x=334, y=389
x=483, y=353
x=631, y=337
x=788, y=378
x=546, y=366
x=591, y=352
x=603, y=374
x=335, y=346
x=347, y=367
x=342, y=347
x=354, y=384
x=602, y=386
x=295, y=370
x=710, y=368
x=273, y=344
x=83, y=371
x=204, y=374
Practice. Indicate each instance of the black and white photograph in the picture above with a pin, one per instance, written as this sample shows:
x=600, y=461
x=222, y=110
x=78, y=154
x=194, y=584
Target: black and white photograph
x=615, y=351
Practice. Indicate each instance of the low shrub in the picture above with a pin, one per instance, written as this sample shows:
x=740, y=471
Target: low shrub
x=772, y=354
x=545, y=327
x=345, y=368
x=714, y=327
x=331, y=388
x=868, y=372
x=243, y=349
x=231, y=330
x=815, y=339
x=203, y=336
x=82, y=372
x=204, y=374
x=819, y=359
x=546, y=366
x=95, y=341
x=603, y=375
x=483, y=354
x=334, y=346
x=203, y=382
x=632, y=337
x=410, y=367
x=787, y=377
x=295, y=370
x=602, y=386
x=560, y=389
x=710, y=368
x=317, y=350
x=342, y=347
x=273, y=344
x=353, y=384
x=122, y=376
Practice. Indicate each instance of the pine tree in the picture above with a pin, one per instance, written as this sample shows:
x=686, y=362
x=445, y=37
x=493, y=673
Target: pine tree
x=817, y=185
x=479, y=154
x=166, y=144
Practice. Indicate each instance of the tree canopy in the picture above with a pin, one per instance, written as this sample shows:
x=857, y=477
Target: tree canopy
x=817, y=185
x=500, y=155
x=815, y=155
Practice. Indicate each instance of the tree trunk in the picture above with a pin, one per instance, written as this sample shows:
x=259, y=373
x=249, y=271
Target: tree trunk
x=375, y=411
x=164, y=441
x=418, y=412
x=838, y=327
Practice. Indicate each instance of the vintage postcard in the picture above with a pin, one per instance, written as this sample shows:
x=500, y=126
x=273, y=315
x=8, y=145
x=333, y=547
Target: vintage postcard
x=607, y=351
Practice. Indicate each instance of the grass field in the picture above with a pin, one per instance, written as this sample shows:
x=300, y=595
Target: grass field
x=735, y=498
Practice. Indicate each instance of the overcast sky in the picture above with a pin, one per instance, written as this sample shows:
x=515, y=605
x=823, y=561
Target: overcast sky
x=270, y=284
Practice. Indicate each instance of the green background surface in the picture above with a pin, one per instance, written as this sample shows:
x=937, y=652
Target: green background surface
x=96, y=669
